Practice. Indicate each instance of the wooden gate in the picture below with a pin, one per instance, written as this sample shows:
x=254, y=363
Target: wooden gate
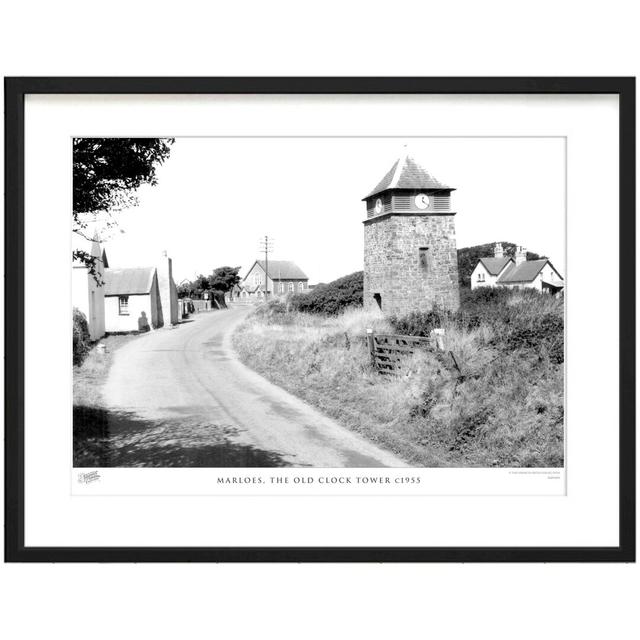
x=387, y=351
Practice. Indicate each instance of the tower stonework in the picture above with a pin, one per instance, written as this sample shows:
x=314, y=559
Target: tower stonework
x=410, y=258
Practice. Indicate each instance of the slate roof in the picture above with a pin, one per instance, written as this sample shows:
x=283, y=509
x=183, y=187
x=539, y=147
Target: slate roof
x=523, y=272
x=122, y=282
x=495, y=265
x=406, y=173
x=283, y=270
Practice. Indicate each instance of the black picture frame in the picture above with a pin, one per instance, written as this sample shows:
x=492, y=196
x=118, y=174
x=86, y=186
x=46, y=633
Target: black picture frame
x=15, y=91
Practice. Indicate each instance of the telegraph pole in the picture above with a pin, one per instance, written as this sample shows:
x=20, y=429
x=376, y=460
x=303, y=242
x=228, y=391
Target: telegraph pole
x=266, y=246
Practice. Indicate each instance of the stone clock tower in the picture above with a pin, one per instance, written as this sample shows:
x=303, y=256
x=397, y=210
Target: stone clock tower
x=410, y=259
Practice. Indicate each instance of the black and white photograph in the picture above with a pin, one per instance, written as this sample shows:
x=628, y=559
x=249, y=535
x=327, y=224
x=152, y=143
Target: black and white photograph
x=331, y=302
x=320, y=319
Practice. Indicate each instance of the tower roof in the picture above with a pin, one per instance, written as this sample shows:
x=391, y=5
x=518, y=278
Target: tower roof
x=406, y=173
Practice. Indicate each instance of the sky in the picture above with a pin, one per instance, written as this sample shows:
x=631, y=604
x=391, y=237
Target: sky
x=217, y=197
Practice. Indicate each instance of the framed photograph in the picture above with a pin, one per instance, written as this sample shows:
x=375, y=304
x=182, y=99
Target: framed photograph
x=320, y=319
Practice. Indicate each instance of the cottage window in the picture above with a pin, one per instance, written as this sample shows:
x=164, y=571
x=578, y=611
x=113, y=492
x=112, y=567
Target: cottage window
x=291, y=287
x=300, y=286
x=282, y=287
x=480, y=276
x=257, y=278
x=123, y=305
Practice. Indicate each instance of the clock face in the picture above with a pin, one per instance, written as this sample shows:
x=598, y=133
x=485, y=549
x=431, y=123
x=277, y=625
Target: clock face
x=378, y=206
x=422, y=201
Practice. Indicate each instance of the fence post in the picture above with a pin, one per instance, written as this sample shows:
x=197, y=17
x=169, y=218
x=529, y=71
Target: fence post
x=439, y=336
x=372, y=349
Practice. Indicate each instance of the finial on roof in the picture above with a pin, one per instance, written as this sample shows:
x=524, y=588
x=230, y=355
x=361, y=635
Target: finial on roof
x=407, y=173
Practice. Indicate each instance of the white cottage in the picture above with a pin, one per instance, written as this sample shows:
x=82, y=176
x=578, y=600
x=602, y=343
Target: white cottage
x=124, y=300
x=504, y=271
x=131, y=300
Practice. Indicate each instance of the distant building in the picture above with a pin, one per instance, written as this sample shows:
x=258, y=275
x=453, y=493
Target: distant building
x=504, y=271
x=284, y=277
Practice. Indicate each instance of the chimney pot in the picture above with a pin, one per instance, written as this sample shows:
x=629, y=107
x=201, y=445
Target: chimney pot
x=521, y=255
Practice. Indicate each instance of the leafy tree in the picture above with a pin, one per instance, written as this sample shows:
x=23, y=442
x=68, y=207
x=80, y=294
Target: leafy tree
x=106, y=174
x=201, y=284
x=185, y=289
x=224, y=278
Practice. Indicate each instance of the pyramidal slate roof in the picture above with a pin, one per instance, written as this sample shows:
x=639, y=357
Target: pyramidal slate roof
x=407, y=173
x=284, y=270
x=495, y=265
x=122, y=282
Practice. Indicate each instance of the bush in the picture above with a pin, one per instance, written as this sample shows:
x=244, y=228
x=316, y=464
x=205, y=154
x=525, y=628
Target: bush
x=517, y=319
x=81, y=344
x=275, y=311
x=544, y=334
x=331, y=298
x=418, y=323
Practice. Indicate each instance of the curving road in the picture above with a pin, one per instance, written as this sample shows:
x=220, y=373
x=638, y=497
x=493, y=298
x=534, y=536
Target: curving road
x=180, y=397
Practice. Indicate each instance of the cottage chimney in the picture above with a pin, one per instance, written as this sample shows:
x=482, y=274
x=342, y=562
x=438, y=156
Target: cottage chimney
x=167, y=292
x=498, y=251
x=521, y=255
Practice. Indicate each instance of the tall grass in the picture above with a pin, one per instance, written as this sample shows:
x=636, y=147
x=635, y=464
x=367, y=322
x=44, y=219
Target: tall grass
x=502, y=405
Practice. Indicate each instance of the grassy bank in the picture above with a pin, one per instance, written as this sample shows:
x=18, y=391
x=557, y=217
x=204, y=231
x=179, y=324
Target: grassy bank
x=91, y=374
x=504, y=407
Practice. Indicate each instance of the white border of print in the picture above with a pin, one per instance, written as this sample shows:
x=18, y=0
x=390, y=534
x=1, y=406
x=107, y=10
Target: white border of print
x=587, y=515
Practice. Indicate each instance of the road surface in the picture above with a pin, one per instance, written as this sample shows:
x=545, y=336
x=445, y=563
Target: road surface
x=180, y=397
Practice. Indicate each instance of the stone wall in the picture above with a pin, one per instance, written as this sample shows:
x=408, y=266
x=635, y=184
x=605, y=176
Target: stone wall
x=392, y=266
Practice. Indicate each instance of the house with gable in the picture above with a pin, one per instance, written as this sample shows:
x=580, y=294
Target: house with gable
x=504, y=271
x=488, y=270
x=283, y=277
x=131, y=300
x=116, y=300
